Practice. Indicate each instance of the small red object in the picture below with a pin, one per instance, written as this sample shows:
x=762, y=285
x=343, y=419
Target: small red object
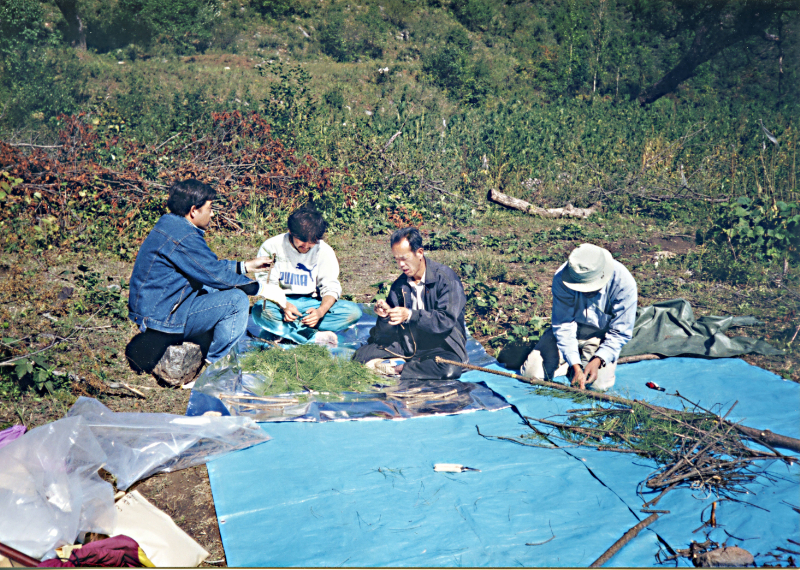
x=654, y=386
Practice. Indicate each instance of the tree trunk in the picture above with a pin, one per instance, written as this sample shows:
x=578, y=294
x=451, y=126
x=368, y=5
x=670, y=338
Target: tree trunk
x=76, y=33
x=711, y=37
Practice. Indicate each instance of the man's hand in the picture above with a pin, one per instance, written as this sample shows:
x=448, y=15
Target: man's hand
x=382, y=308
x=290, y=313
x=592, y=369
x=398, y=315
x=313, y=317
x=578, y=376
x=258, y=264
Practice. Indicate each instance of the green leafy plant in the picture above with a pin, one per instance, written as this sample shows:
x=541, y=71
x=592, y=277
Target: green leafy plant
x=453, y=240
x=765, y=229
x=100, y=297
x=35, y=372
x=383, y=290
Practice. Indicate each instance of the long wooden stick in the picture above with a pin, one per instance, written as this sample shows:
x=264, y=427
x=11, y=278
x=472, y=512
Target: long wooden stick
x=626, y=538
x=765, y=436
x=17, y=556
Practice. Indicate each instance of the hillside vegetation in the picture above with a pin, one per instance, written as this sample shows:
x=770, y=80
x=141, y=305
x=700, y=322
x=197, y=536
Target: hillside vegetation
x=677, y=116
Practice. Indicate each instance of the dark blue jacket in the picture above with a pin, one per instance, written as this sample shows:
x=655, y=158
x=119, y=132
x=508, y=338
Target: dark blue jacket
x=172, y=266
x=440, y=324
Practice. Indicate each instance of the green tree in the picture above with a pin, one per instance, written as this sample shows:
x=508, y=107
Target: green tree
x=187, y=24
x=713, y=27
x=28, y=88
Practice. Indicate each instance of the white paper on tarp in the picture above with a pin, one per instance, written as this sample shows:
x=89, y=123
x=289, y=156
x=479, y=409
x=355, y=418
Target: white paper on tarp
x=50, y=490
x=164, y=543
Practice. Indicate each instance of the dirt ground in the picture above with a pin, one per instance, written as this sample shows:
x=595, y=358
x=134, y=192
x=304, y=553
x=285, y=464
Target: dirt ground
x=95, y=354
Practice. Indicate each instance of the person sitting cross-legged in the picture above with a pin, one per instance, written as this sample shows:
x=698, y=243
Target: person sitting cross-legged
x=179, y=287
x=303, y=291
x=594, y=310
x=422, y=318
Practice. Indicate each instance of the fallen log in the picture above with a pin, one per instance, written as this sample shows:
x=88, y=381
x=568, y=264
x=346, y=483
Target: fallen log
x=764, y=437
x=568, y=211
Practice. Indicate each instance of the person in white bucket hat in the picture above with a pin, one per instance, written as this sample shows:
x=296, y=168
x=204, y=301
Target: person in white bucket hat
x=594, y=310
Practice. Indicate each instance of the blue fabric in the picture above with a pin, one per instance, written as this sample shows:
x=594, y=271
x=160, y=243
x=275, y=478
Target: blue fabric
x=223, y=312
x=365, y=493
x=269, y=316
x=173, y=264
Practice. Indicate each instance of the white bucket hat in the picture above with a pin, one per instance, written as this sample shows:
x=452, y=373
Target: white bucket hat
x=589, y=268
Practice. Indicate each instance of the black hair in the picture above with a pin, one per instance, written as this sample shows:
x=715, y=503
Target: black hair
x=307, y=224
x=187, y=193
x=411, y=234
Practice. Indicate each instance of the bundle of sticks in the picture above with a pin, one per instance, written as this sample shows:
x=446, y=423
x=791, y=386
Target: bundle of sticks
x=694, y=447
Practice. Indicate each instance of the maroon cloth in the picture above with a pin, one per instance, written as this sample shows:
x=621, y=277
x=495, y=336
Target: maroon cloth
x=118, y=551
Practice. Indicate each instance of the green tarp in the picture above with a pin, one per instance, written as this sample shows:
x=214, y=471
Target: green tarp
x=670, y=329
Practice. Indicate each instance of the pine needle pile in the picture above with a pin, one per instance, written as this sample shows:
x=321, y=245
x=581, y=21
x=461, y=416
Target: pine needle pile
x=692, y=446
x=308, y=368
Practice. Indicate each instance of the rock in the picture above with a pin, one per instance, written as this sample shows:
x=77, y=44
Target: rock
x=180, y=364
x=728, y=556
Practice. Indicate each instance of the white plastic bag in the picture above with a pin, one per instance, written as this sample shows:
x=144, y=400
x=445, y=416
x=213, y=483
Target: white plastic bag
x=50, y=490
x=138, y=445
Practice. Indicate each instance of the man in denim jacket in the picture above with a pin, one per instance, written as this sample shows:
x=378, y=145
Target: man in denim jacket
x=594, y=310
x=178, y=285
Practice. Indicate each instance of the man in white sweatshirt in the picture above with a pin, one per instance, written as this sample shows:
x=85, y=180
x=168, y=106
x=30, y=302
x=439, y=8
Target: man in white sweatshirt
x=302, y=289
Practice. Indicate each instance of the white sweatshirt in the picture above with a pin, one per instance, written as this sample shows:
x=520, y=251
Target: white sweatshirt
x=300, y=273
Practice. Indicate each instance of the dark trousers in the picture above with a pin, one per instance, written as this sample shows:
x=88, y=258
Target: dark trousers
x=422, y=366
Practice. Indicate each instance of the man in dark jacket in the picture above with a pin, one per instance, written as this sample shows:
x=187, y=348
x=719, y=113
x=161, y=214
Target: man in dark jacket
x=422, y=318
x=179, y=286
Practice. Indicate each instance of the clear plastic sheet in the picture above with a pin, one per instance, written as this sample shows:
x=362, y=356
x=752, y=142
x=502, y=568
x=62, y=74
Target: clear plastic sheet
x=50, y=490
x=226, y=388
x=138, y=445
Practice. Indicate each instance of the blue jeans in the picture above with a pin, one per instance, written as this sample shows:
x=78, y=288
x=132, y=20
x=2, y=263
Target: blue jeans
x=224, y=314
x=269, y=316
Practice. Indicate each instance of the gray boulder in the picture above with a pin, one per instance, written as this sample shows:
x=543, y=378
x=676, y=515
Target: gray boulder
x=180, y=364
x=725, y=557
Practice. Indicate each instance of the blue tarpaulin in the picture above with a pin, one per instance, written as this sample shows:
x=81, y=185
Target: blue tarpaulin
x=365, y=493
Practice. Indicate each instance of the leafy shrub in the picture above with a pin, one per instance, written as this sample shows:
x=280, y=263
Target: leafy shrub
x=334, y=98
x=474, y=14
x=350, y=39
x=453, y=240
x=452, y=68
x=763, y=229
x=187, y=25
x=273, y=8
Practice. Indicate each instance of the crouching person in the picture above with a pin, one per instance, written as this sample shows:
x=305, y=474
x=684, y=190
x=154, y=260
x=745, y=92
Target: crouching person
x=179, y=286
x=594, y=310
x=303, y=290
x=422, y=318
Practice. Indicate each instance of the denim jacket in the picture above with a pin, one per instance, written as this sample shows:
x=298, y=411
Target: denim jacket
x=173, y=264
x=440, y=324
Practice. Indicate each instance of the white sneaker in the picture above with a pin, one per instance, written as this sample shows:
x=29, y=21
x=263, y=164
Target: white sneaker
x=326, y=338
x=384, y=367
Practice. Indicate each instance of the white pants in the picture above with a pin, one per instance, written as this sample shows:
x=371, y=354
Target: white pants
x=545, y=361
